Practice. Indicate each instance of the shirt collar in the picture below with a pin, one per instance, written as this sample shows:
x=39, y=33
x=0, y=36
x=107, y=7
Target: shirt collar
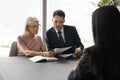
x=60, y=30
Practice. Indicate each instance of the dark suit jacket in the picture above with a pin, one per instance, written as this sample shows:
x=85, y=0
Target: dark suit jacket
x=71, y=39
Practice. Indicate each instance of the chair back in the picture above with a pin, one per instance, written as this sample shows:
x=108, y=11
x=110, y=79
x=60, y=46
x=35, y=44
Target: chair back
x=13, y=49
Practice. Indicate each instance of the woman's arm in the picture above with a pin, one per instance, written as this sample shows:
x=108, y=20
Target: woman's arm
x=28, y=52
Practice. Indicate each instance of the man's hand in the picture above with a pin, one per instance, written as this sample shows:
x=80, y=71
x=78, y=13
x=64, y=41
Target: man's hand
x=77, y=51
x=47, y=54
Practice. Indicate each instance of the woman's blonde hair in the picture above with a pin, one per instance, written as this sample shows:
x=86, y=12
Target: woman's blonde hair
x=30, y=22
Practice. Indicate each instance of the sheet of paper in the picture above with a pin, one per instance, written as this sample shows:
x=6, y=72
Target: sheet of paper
x=66, y=55
x=39, y=58
x=60, y=50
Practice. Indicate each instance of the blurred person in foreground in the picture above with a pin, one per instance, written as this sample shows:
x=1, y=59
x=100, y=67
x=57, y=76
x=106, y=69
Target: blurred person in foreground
x=101, y=61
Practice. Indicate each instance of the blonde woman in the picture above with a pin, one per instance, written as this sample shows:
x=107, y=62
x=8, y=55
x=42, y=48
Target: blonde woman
x=30, y=44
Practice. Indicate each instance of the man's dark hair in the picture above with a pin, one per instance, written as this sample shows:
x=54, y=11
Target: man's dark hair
x=59, y=13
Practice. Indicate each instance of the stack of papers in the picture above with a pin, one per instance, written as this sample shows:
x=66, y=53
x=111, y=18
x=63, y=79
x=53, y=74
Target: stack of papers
x=56, y=50
x=60, y=50
x=41, y=58
x=66, y=55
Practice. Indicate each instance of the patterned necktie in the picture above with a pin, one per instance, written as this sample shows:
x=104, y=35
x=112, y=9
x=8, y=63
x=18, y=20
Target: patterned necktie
x=61, y=39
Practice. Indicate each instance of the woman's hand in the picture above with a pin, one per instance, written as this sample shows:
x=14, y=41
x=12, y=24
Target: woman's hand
x=34, y=53
x=51, y=54
x=47, y=54
x=28, y=52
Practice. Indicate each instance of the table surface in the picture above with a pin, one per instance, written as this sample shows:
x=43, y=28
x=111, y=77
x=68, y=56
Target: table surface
x=21, y=68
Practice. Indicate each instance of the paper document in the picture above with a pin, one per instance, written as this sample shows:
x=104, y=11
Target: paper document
x=66, y=55
x=60, y=50
x=41, y=58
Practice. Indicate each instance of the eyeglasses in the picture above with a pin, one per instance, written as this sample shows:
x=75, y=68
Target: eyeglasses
x=36, y=26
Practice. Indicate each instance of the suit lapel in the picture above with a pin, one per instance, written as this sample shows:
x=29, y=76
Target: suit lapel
x=65, y=33
x=54, y=34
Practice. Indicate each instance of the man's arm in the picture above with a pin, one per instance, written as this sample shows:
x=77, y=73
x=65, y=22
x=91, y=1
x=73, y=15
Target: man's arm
x=77, y=40
x=48, y=45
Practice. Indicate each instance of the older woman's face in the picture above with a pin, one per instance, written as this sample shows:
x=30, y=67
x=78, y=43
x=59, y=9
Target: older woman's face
x=33, y=29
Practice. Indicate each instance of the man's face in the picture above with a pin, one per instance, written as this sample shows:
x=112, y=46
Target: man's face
x=58, y=22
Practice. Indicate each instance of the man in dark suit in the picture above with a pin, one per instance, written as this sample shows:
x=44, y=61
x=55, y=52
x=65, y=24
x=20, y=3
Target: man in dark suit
x=69, y=35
